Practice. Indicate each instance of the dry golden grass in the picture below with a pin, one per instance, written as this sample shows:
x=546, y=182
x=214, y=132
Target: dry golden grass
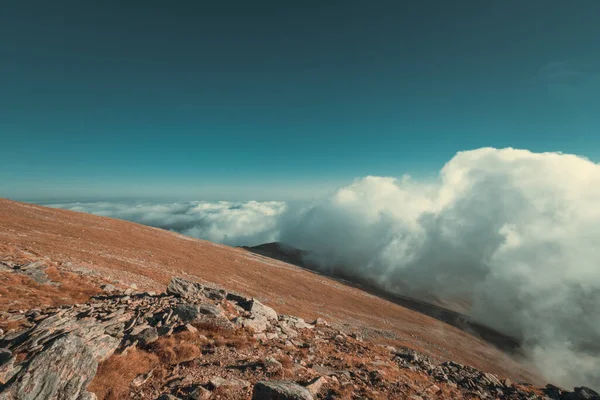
x=114, y=376
x=20, y=292
x=176, y=349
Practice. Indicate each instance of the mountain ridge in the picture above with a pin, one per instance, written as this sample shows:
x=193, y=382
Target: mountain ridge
x=102, y=250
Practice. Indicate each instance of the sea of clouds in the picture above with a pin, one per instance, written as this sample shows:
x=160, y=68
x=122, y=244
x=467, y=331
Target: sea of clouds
x=515, y=233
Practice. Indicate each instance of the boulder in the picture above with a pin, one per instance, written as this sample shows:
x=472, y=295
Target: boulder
x=210, y=309
x=184, y=288
x=186, y=312
x=280, y=390
x=258, y=309
x=257, y=325
x=62, y=371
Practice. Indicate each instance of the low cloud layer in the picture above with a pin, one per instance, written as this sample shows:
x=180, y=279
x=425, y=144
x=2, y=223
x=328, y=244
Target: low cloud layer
x=513, y=233
x=249, y=223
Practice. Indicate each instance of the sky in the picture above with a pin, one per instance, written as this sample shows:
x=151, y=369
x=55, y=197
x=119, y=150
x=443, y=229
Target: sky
x=282, y=100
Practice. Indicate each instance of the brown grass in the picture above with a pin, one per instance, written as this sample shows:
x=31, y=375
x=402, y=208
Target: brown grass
x=114, y=376
x=20, y=292
x=220, y=336
x=176, y=349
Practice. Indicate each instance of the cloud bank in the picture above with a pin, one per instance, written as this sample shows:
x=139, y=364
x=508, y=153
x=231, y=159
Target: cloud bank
x=230, y=223
x=513, y=233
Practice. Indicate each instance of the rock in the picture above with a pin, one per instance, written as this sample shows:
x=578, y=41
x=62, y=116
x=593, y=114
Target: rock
x=62, y=371
x=314, y=386
x=167, y=396
x=148, y=335
x=258, y=325
x=184, y=288
x=215, y=294
x=186, y=312
x=258, y=309
x=582, y=393
x=190, y=328
x=286, y=330
x=295, y=322
x=491, y=380
x=260, y=336
x=272, y=364
x=136, y=330
x=237, y=298
x=280, y=390
x=165, y=330
x=217, y=382
x=107, y=287
x=141, y=379
x=320, y=322
x=35, y=270
x=7, y=366
x=5, y=356
x=199, y=393
x=210, y=309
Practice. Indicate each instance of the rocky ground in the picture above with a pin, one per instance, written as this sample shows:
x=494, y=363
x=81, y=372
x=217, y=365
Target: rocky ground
x=200, y=341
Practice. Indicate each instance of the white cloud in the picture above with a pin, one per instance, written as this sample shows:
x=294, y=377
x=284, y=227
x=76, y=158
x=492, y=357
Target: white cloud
x=249, y=223
x=513, y=233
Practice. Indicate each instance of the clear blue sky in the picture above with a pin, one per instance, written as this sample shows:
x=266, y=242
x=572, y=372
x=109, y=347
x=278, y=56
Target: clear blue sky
x=277, y=99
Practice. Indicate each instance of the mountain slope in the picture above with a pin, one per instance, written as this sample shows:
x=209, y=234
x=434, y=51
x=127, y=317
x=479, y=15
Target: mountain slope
x=125, y=253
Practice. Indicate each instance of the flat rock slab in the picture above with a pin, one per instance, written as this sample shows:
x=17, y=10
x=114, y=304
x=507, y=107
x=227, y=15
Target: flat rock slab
x=280, y=390
x=63, y=371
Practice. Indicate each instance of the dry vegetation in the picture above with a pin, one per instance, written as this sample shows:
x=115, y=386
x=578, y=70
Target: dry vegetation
x=114, y=377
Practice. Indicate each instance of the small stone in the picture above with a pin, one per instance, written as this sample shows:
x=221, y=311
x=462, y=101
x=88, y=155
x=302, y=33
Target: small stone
x=320, y=322
x=107, y=287
x=141, y=379
x=272, y=364
x=314, y=386
x=190, y=328
x=199, y=393
x=217, y=382
x=148, y=335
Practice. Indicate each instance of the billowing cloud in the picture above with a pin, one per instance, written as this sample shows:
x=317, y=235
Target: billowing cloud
x=516, y=234
x=513, y=234
x=249, y=223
